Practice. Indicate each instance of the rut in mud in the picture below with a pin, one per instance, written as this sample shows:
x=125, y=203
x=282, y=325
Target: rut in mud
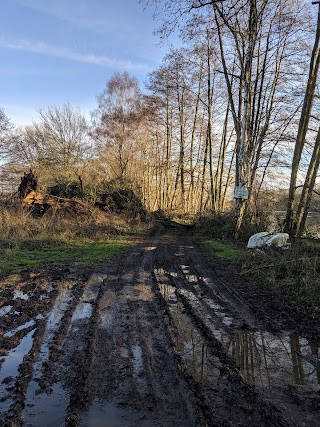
x=154, y=338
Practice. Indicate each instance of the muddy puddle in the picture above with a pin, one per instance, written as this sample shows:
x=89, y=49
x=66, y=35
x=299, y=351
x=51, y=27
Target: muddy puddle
x=10, y=370
x=188, y=342
x=14, y=331
x=264, y=360
x=47, y=408
x=267, y=361
x=104, y=414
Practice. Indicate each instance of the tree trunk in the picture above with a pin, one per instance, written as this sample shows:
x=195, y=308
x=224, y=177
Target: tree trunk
x=303, y=126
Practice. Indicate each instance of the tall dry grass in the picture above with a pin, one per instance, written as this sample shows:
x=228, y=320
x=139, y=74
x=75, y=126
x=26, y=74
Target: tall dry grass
x=18, y=223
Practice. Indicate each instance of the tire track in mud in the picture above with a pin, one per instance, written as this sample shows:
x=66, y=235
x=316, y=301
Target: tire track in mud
x=38, y=361
x=139, y=382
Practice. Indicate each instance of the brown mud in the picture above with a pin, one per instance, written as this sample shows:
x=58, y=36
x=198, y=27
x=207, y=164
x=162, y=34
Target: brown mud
x=163, y=335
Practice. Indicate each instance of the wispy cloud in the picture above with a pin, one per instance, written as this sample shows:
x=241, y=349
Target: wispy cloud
x=87, y=15
x=65, y=53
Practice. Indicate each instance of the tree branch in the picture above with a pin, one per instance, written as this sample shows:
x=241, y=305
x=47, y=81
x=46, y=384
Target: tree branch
x=203, y=3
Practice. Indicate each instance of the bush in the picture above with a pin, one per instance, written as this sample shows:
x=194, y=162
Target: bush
x=221, y=226
x=64, y=188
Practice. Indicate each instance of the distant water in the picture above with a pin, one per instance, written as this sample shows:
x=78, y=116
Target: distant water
x=313, y=221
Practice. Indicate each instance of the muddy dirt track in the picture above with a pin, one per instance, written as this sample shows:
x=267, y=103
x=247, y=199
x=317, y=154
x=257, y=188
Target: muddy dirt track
x=154, y=338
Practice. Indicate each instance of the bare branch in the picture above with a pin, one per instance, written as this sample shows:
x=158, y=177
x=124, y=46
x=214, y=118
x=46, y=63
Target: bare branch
x=203, y=3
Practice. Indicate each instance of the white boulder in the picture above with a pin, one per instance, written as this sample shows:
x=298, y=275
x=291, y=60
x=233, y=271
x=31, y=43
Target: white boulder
x=278, y=240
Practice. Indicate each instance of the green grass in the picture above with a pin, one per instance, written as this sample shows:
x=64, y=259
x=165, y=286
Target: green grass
x=17, y=255
x=228, y=251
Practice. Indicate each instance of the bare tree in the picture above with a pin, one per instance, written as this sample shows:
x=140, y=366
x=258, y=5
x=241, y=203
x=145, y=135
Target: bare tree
x=56, y=145
x=116, y=121
x=291, y=224
x=6, y=128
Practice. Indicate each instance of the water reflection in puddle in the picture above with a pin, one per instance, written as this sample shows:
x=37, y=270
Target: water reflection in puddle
x=11, y=364
x=45, y=409
x=15, y=357
x=188, y=342
x=263, y=359
x=26, y=325
x=266, y=360
x=53, y=322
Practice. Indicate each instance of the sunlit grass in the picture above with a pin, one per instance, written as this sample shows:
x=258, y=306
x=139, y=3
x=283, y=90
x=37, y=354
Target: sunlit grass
x=18, y=255
x=227, y=250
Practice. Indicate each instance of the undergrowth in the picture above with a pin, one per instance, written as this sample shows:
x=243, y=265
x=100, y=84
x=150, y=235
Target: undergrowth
x=294, y=274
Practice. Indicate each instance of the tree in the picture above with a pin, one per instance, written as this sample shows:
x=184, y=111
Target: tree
x=256, y=41
x=295, y=225
x=55, y=146
x=6, y=128
x=116, y=122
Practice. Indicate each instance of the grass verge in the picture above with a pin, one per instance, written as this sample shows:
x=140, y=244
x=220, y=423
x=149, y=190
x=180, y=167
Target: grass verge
x=18, y=255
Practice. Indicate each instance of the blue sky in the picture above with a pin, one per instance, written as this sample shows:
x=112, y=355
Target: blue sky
x=58, y=51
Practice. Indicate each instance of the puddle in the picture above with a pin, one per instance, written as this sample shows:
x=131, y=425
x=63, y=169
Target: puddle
x=191, y=278
x=167, y=291
x=45, y=409
x=137, y=358
x=265, y=360
x=188, y=343
x=227, y=321
x=106, y=309
x=15, y=357
x=11, y=364
x=84, y=308
x=5, y=310
x=83, y=311
x=193, y=350
x=10, y=334
x=138, y=366
x=112, y=415
x=18, y=294
x=53, y=322
x=141, y=292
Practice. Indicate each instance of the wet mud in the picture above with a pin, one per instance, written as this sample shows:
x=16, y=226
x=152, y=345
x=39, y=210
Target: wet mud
x=160, y=336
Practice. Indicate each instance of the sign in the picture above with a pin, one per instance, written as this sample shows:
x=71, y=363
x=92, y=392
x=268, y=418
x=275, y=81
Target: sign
x=241, y=192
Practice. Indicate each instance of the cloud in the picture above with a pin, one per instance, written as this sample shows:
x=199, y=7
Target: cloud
x=65, y=53
x=90, y=15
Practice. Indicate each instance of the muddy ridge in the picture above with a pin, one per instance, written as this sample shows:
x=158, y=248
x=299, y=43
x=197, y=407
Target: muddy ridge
x=163, y=335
